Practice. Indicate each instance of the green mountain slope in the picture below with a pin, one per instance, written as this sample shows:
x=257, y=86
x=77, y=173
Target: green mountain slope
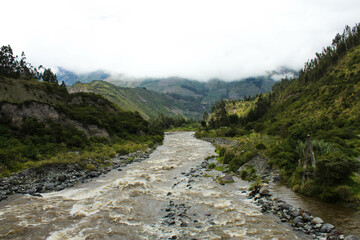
x=322, y=103
x=71, y=78
x=41, y=123
x=207, y=92
x=148, y=103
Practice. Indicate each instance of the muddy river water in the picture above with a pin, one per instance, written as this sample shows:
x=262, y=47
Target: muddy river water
x=167, y=196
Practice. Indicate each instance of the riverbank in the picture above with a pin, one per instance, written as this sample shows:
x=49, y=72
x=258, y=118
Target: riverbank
x=56, y=177
x=301, y=220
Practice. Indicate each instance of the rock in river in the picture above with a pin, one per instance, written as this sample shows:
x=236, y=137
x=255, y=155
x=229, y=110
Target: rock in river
x=317, y=220
x=227, y=178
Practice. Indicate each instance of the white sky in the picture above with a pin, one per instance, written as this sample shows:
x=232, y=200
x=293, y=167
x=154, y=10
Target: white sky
x=198, y=39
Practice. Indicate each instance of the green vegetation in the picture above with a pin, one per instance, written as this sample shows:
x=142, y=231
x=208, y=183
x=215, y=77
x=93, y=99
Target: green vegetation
x=204, y=93
x=148, y=103
x=324, y=101
x=41, y=123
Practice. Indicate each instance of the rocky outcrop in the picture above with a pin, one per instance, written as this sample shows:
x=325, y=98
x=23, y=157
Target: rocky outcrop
x=221, y=141
x=260, y=164
x=44, y=112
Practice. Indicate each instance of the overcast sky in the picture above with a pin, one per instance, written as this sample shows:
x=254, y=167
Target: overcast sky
x=198, y=39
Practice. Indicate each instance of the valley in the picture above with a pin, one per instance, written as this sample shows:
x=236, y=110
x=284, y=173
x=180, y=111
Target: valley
x=261, y=158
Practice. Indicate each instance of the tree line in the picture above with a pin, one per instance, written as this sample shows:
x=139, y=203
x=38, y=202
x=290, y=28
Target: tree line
x=15, y=67
x=317, y=67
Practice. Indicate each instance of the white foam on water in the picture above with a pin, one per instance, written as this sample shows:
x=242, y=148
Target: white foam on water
x=222, y=204
x=236, y=232
x=80, y=210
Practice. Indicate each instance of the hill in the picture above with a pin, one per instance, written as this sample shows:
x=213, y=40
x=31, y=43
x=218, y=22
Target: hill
x=41, y=124
x=148, y=103
x=71, y=78
x=318, y=110
x=207, y=92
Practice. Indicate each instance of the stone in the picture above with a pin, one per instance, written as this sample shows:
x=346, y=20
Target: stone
x=204, y=164
x=285, y=206
x=94, y=174
x=276, y=178
x=317, y=220
x=352, y=237
x=297, y=220
x=227, y=178
x=318, y=225
x=61, y=178
x=49, y=186
x=294, y=213
x=265, y=191
x=306, y=217
x=183, y=224
x=326, y=228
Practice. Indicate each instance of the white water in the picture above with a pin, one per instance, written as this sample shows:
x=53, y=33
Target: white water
x=131, y=204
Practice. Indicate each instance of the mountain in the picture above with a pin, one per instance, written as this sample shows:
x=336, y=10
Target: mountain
x=41, y=124
x=71, y=78
x=148, y=103
x=318, y=112
x=207, y=92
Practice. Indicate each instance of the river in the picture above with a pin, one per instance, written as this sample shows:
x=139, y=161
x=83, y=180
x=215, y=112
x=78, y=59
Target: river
x=167, y=196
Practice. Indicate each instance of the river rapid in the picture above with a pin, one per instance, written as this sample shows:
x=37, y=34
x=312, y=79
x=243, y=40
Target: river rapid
x=167, y=196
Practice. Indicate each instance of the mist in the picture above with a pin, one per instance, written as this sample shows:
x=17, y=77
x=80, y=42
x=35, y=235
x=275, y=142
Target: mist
x=193, y=39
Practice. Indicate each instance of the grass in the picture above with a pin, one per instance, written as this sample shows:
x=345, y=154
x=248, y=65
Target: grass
x=92, y=156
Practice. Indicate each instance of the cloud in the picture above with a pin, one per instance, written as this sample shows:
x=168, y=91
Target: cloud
x=197, y=39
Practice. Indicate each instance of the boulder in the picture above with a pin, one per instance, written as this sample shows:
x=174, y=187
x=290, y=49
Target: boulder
x=264, y=191
x=352, y=237
x=317, y=220
x=326, y=228
x=297, y=220
x=306, y=217
x=285, y=206
x=294, y=213
x=227, y=178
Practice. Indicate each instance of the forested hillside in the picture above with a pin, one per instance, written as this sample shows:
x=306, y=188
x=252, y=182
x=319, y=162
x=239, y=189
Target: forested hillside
x=206, y=92
x=322, y=106
x=149, y=104
x=41, y=123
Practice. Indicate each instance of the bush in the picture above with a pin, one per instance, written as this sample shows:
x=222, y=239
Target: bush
x=329, y=194
x=335, y=168
x=344, y=192
x=307, y=188
x=260, y=146
x=244, y=174
x=228, y=156
x=211, y=166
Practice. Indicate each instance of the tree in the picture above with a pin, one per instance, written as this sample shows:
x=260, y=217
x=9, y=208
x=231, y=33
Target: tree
x=49, y=76
x=8, y=63
x=63, y=84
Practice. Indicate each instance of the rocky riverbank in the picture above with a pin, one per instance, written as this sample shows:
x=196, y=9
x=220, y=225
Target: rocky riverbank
x=300, y=219
x=57, y=177
x=220, y=141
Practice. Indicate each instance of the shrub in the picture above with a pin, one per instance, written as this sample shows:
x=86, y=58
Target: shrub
x=335, y=168
x=259, y=127
x=329, y=194
x=296, y=188
x=228, y=156
x=260, y=146
x=307, y=188
x=344, y=192
x=244, y=174
x=211, y=166
x=90, y=167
